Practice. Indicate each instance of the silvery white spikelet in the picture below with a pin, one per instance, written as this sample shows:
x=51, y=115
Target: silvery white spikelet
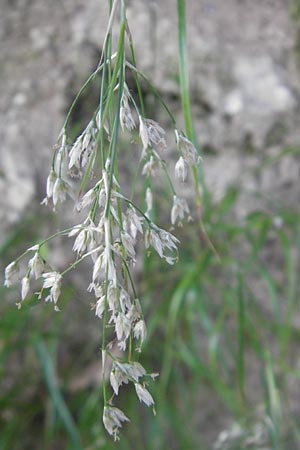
x=124, y=300
x=128, y=243
x=156, y=242
x=144, y=134
x=87, y=200
x=11, y=274
x=179, y=209
x=168, y=239
x=122, y=373
x=126, y=119
x=151, y=133
x=118, y=376
x=112, y=420
x=111, y=268
x=98, y=266
x=161, y=240
x=60, y=190
x=75, y=153
x=87, y=138
x=61, y=156
x=25, y=287
x=151, y=167
x=170, y=260
x=155, y=133
x=123, y=327
x=100, y=307
x=135, y=370
x=134, y=222
x=52, y=280
x=187, y=148
x=80, y=242
x=112, y=300
x=181, y=170
x=114, y=382
x=140, y=330
x=37, y=265
x=143, y=394
x=50, y=183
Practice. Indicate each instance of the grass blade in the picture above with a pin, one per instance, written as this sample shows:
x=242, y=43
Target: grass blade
x=55, y=394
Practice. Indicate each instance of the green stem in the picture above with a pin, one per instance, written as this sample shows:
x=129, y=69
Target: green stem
x=59, y=233
x=183, y=70
x=184, y=91
x=78, y=261
x=137, y=81
x=199, y=181
x=154, y=91
x=118, y=69
x=83, y=87
x=113, y=147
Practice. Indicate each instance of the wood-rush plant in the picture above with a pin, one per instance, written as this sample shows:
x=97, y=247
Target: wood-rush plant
x=113, y=222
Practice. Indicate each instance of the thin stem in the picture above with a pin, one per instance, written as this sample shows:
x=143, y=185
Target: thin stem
x=104, y=339
x=130, y=277
x=40, y=244
x=118, y=69
x=81, y=90
x=113, y=146
x=183, y=70
x=198, y=175
x=137, y=81
x=155, y=92
x=100, y=114
x=78, y=261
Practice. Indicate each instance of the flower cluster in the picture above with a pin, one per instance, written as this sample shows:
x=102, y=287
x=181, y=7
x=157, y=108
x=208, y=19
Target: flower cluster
x=113, y=229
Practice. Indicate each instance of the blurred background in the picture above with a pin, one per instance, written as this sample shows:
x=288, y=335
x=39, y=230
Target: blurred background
x=224, y=336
